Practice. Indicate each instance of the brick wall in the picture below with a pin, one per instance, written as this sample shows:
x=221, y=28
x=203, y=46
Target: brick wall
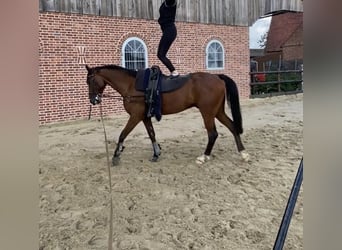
x=293, y=48
x=63, y=93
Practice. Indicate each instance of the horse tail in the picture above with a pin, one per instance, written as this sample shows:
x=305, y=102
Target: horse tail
x=232, y=94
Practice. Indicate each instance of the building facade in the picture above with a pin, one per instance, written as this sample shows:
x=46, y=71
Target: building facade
x=285, y=37
x=212, y=37
x=69, y=41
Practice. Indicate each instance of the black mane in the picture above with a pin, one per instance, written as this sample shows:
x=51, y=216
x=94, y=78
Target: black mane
x=130, y=72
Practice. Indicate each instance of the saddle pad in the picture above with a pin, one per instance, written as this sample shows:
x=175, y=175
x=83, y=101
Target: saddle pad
x=168, y=84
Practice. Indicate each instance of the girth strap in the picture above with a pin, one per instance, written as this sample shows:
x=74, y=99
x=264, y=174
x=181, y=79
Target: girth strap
x=152, y=92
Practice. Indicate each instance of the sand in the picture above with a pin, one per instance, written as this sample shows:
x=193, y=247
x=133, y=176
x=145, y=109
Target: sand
x=175, y=203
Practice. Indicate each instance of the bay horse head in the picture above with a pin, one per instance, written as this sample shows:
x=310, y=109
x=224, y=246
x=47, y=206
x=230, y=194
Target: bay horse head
x=96, y=86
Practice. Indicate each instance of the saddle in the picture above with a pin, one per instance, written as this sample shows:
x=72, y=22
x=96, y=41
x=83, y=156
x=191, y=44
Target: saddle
x=153, y=83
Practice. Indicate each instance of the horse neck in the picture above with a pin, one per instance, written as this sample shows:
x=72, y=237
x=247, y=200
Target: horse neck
x=118, y=80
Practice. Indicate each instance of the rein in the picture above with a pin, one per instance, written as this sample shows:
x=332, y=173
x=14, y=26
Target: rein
x=124, y=98
x=110, y=236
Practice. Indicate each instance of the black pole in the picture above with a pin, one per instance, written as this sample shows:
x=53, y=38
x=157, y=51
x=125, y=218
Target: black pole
x=90, y=106
x=284, y=226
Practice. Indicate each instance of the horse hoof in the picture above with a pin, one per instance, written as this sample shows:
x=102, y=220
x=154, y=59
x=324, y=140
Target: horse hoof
x=154, y=159
x=245, y=156
x=115, y=161
x=202, y=159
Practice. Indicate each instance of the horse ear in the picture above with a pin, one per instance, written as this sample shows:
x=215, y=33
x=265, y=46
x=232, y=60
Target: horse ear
x=87, y=67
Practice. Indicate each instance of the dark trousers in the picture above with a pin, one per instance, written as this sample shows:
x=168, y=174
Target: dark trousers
x=169, y=35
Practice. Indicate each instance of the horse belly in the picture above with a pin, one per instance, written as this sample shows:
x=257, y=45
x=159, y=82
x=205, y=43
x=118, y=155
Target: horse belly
x=175, y=102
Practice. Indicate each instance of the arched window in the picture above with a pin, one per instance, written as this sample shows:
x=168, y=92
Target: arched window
x=214, y=55
x=134, y=54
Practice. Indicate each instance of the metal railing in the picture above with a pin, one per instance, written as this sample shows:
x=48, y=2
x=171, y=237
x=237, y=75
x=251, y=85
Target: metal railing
x=276, y=82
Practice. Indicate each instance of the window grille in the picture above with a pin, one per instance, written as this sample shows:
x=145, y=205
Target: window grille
x=215, y=55
x=134, y=53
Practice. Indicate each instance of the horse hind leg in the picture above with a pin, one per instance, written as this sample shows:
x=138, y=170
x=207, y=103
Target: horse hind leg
x=226, y=121
x=212, y=136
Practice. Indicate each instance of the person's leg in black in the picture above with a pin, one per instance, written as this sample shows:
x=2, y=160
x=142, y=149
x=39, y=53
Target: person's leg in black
x=169, y=35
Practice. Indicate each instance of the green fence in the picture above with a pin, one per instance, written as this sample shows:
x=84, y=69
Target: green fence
x=277, y=82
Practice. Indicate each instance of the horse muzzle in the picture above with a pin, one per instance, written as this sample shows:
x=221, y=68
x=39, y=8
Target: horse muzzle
x=95, y=99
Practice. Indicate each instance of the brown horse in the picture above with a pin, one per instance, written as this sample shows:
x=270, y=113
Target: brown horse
x=202, y=90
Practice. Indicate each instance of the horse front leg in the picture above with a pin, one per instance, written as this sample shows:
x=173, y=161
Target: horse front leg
x=132, y=122
x=151, y=134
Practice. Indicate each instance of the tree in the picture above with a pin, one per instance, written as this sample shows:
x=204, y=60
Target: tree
x=263, y=40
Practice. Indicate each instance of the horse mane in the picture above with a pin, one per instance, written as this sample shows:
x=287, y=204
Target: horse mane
x=130, y=72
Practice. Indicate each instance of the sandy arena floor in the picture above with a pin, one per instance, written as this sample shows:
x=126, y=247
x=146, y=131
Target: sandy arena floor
x=174, y=203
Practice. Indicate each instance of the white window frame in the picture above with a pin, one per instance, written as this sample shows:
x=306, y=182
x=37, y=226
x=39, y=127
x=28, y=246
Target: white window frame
x=207, y=53
x=123, y=60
